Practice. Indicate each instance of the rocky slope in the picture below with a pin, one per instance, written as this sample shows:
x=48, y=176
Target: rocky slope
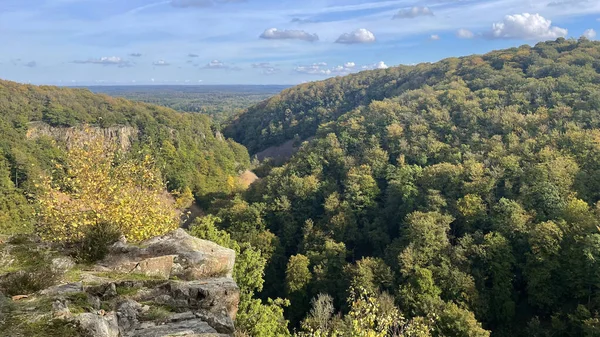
x=172, y=285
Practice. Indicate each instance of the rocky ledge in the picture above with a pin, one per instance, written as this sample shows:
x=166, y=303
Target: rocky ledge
x=172, y=285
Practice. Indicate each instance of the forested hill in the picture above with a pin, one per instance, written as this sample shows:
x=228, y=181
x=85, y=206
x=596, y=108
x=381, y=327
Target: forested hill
x=468, y=190
x=192, y=157
x=526, y=76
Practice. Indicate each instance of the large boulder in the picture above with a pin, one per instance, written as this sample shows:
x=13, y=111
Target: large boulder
x=217, y=296
x=193, y=327
x=99, y=325
x=176, y=254
x=63, y=289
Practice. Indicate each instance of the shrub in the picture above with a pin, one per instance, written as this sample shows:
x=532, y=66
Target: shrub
x=28, y=281
x=95, y=242
x=102, y=187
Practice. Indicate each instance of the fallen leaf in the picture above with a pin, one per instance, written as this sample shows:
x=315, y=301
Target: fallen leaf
x=19, y=297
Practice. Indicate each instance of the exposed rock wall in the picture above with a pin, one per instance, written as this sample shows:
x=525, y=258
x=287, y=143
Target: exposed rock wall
x=121, y=135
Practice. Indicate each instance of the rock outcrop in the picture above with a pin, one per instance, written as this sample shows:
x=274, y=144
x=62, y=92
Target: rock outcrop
x=172, y=285
x=120, y=135
x=175, y=255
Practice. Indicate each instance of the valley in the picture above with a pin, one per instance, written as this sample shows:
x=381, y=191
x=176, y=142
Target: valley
x=455, y=198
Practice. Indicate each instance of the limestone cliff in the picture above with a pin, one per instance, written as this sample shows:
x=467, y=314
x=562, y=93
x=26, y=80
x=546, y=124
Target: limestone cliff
x=174, y=284
x=121, y=135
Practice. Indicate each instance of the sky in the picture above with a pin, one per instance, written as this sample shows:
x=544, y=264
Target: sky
x=141, y=42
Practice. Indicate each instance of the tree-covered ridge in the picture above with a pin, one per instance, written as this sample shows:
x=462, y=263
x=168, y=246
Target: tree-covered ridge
x=470, y=195
x=189, y=153
x=301, y=109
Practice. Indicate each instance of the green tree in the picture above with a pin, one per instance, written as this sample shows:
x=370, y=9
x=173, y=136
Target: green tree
x=254, y=317
x=297, y=274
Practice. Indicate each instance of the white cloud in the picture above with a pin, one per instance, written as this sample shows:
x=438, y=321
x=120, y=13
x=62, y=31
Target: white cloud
x=464, y=34
x=271, y=71
x=345, y=69
x=378, y=65
x=303, y=21
x=320, y=68
x=107, y=61
x=267, y=68
x=590, y=34
x=358, y=36
x=314, y=69
x=275, y=34
x=411, y=13
x=261, y=65
x=216, y=64
x=161, y=63
x=340, y=70
x=527, y=27
x=434, y=37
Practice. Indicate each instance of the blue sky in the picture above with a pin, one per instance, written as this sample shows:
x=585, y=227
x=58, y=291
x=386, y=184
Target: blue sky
x=82, y=42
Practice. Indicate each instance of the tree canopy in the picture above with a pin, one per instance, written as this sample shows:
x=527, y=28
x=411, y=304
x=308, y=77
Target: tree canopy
x=467, y=189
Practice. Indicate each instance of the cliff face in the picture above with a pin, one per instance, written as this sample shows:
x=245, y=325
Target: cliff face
x=173, y=284
x=123, y=136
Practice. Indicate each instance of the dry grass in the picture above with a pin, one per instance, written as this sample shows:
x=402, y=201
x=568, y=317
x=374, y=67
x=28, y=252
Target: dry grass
x=247, y=178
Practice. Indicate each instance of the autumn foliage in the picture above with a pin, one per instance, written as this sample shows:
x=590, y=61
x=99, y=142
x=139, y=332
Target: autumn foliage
x=99, y=187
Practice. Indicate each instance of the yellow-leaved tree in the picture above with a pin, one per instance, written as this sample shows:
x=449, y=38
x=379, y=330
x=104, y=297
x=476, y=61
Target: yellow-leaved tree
x=370, y=315
x=100, y=187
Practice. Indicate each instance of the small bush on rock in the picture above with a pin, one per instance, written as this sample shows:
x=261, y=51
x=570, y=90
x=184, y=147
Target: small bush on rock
x=95, y=243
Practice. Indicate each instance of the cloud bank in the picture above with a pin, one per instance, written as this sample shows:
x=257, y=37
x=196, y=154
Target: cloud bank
x=106, y=61
x=322, y=68
x=276, y=34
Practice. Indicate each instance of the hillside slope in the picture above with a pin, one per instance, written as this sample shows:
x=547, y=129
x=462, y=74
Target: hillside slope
x=301, y=109
x=185, y=146
x=467, y=189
